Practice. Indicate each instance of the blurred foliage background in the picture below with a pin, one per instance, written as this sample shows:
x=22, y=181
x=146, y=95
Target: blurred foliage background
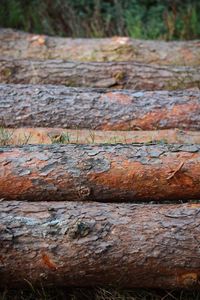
x=145, y=19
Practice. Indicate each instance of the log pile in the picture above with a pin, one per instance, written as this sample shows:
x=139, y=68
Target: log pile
x=99, y=186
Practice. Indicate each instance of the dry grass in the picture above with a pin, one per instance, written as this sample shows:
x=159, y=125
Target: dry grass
x=97, y=294
x=6, y=138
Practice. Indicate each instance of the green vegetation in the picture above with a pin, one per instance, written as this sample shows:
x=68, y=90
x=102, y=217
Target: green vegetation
x=146, y=19
x=5, y=137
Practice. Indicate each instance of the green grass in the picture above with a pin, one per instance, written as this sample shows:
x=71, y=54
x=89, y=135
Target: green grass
x=5, y=137
x=146, y=19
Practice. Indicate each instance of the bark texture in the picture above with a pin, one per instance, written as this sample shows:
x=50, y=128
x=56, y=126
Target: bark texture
x=23, y=136
x=22, y=45
x=100, y=172
x=101, y=75
x=59, y=106
x=75, y=244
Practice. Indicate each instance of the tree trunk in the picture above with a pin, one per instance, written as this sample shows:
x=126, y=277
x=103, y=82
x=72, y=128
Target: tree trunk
x=76, y=244
x=100, y=172
x=22, y=45
x=104, y=74
x=53, y=106
x=23, y=136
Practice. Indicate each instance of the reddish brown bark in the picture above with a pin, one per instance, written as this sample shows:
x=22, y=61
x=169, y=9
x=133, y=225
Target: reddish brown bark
x=22, y=45
x=22, y=136
x=104, y=74
x=76, y=244
x=100, y=172
x=58, y=106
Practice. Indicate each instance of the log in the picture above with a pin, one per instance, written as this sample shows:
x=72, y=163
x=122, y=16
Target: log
x=76, y=244
x=21, y=45
x=130, y=75
x=102, y=109
x=23, y=136
x=134, y=172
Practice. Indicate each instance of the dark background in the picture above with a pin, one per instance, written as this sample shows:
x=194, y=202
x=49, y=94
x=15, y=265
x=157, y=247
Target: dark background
x=145, y=19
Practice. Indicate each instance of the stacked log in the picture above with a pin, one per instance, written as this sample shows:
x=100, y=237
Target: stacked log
x=66, y=216
x=29, y=58
x=100, y=172
x=21, y=45
x=124, y=245
x=131, y=75
x=59, y=106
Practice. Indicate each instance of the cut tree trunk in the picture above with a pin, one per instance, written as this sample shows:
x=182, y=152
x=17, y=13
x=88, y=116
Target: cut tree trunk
x=101, y=75
x=23, y=136
x=76, y=244
x=100, y=172
x=103, y=109
x=22, y=45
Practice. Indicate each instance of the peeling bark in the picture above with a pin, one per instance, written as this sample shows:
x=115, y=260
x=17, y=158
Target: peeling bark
x=104, y=74
x=23, y=136
x=102, y=109
x=22, y=45
x=100, y=172
x=76, y=244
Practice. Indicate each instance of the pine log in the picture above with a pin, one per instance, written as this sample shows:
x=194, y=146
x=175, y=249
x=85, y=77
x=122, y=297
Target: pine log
x=23, y=45
x=134, y=172
x=99, y=74
x=76, y=244
x=102, y=109
x=23, y=136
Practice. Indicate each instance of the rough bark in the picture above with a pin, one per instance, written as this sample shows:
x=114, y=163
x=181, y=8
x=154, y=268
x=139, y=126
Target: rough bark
x=23, y=136
x=100, y=172
x=75, y=244
x=101, y=75
x=59, y=106
x=22, y=45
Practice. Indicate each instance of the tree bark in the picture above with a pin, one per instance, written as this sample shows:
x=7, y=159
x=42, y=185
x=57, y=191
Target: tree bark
x=22, y=45
x=104, y=74
x=100, y=172
x=102, y=109
x=123, y=245
x=23, y=136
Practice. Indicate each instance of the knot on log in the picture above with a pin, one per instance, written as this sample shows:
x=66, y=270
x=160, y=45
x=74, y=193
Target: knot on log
x=119, y=76
x=79, y=230
x=6, y=233
x=7, y=72
x=189, y=279
x=84, y=192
